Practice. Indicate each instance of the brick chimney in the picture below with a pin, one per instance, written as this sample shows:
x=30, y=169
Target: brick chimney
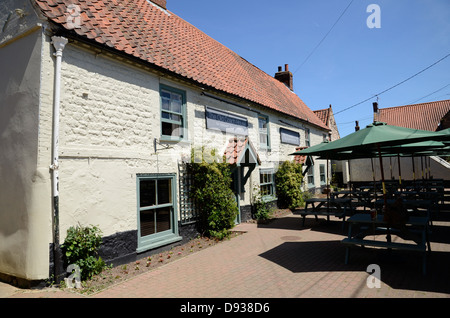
x=161, y=3
x=376, y=111
x=285, y=77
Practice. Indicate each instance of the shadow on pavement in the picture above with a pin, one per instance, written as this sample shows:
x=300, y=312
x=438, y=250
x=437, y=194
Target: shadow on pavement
x=399, y=270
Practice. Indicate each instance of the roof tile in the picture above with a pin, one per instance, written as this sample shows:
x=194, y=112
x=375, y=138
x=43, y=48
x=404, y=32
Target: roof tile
x=425, y=116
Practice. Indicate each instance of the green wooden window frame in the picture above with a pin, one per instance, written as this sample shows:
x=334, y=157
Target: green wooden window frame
x=307, y=137
x=322, y=171
x=264, y=132
x=267, y=184
x=173, y=113
x=157, y=211
x=310, y=175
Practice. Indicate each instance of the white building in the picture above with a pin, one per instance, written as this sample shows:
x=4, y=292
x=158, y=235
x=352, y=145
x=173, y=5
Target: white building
x=104, y=103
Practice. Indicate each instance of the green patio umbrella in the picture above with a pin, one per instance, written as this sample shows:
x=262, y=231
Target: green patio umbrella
x=376, y=138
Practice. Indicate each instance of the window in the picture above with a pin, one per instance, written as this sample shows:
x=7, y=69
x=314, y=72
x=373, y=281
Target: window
x=322, y=174
x=311, y=176
x=267, y=183
x=307, y=137
x=157, y=224
x=173, y=109
x=263, y=123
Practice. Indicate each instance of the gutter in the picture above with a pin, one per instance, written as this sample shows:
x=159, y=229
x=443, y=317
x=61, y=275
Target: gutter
x=59, y=43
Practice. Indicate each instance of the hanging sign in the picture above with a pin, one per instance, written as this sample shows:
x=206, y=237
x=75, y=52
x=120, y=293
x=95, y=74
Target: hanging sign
x=289, y=137
x=226, y=122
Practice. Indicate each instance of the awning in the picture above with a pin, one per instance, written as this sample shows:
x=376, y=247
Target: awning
x=241, y=152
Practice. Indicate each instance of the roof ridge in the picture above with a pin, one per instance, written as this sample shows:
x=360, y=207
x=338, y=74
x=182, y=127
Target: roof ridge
x=409, y=105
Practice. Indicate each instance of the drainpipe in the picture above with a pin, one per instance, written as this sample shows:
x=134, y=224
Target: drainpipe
x=59, y=43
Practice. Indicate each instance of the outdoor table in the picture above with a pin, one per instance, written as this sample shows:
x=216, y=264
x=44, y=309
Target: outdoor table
x=322, y=206
x=413, y=205
x=362, y=225
x=341, y=194
x=365, y=198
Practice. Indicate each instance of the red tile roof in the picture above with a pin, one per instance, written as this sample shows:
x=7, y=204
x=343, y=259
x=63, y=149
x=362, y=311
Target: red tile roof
x=236, y=150
x=298, y=158
x=146, y=31
x=323, y=114
x=425, y=116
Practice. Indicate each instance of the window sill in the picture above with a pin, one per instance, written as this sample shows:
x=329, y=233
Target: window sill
x=269, y=198
x=161, y=241
x=167, y=140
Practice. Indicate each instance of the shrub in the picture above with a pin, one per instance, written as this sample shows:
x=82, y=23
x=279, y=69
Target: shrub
x=80, y=248
x=261, y=212
x=288, y=180
x=213, y=195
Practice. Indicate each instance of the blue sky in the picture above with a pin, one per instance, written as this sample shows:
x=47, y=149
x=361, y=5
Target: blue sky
x=352, y=63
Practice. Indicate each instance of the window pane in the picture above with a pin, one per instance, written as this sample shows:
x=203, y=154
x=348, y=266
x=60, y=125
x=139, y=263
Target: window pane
x=176, y=103
x=163, y=219
x=173, y=130
x=171, y=116
x=147, y=193
x=263, y=190
x=165, y=99
x=164, y=191
x=165, y=103
x=147, y=221
x=263, y=138
x=262, y=123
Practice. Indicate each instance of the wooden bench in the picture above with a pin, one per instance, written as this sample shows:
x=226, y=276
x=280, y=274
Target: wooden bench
x=339, y=207
x=364, y=220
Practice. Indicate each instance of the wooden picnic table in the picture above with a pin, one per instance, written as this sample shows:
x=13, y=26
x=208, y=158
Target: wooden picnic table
x=340, y=207
x=414, y=206
x=415, y=229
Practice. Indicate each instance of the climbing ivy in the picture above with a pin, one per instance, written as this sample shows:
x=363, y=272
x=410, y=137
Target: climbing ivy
x=212, y=193
x=288, y=181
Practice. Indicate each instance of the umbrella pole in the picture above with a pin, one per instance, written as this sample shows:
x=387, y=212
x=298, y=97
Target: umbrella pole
x=382, y=176
x=399, y=174
x=390, y=165
x=388, y=236
x=374, y=181
x=423, y=178
x=328, y=188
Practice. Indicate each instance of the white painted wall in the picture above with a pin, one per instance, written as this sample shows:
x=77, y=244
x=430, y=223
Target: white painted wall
x=110, y=114
x=25, y=215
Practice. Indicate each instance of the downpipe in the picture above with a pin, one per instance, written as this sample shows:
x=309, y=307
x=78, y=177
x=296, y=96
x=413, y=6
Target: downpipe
x=59, y=44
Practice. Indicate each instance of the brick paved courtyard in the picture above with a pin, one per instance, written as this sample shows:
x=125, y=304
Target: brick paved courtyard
x=282, y=259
